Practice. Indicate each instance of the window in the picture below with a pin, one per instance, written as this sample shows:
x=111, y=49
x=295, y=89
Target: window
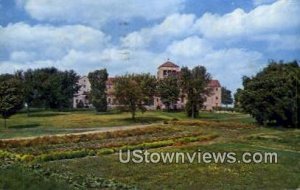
x=109, y=100
x=217, y=97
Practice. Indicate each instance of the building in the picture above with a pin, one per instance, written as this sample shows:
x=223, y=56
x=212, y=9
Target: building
x=212, y=101
x=166, y=69
x=81, y=97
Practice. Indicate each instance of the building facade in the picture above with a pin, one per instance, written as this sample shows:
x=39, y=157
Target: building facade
x=168, y=68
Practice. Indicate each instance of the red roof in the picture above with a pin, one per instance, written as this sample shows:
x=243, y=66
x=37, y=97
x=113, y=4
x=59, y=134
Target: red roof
x=168, y=64
x=214, y=83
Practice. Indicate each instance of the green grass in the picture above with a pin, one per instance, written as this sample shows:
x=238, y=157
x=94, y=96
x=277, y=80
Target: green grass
x=53, y=122
x=18, y=177
x=91, y=161
x=284, y=175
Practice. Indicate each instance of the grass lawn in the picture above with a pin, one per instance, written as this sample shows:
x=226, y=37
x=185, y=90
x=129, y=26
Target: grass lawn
x=52, y=122
x=91, y=161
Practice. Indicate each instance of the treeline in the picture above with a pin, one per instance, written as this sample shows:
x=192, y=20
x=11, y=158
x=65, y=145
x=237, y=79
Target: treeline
x=134, y=92
x=54, y=89
x=40, y=88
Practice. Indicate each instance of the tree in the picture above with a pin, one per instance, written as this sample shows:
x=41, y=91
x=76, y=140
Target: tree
x=168, y=90
x=134, y=91
x=11, y=96
x=50, y=88
x=148, y=85
x=226, y=96
x=194, y=83
x=271, y=95
x=98, y=95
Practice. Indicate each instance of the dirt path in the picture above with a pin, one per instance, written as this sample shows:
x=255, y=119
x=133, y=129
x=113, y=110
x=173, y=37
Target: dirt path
x=91, y=131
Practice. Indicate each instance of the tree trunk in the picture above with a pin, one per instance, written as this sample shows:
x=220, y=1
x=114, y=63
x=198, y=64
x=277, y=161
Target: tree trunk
x=28, y=110
x=133, y=115
x=193, y=111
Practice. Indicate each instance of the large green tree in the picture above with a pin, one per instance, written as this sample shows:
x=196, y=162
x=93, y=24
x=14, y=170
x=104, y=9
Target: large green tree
x=168, y=91
x=50, y=88
x=226, y=96
x=194, y=83
x=98, y=95
x=11, y=95
x=134, y=91
x=271, y=96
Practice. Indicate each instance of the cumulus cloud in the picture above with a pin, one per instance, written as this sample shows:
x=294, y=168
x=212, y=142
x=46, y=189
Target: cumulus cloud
x=172, y=26
x=277, y=17
x=49, y=42
x=190, y=47
x=280, y=42
x=226, y=64
x=100, y=11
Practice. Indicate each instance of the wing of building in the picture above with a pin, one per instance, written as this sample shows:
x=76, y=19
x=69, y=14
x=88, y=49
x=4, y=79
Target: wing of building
x=166, y=69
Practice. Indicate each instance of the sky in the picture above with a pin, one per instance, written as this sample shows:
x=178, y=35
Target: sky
x=231, y=38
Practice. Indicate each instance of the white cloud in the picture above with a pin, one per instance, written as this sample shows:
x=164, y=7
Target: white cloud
x=49, y=42
x=280, y=42
x=174, y=25
x=277, y=17
x=99, y=11
x=190, y=47
x=227, y=64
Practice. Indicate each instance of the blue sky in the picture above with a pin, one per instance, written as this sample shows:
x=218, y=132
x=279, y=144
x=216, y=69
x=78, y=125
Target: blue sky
x=230, y=38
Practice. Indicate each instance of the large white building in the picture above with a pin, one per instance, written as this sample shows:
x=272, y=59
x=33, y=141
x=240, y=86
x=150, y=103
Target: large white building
x=164, y=70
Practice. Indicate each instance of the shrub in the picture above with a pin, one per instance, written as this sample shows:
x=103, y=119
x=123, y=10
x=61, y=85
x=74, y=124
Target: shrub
x=105, y=151
x=63, y=155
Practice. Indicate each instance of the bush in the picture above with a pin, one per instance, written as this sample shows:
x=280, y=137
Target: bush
x=105, y=151
x=64, y=155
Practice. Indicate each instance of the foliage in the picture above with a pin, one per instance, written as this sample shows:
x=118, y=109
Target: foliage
x=104, y=151
x=98, y=95
x=11, y=96
x=148, y=85
x=271, y=96
x=194, y=83
x=168, y=90
x=226, y=96
x=65, y=155
x=23, y=178
x=134, y=91
x=50, y=88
